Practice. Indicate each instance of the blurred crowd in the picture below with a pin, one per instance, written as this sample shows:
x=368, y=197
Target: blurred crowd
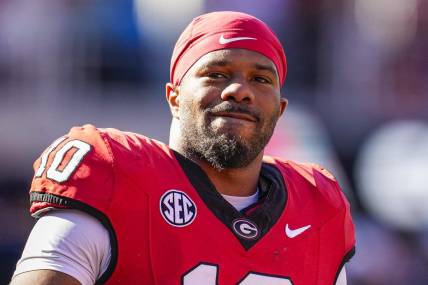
x=357, y=84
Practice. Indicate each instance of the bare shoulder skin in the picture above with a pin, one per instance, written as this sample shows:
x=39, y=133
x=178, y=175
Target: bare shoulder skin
x=44, y=277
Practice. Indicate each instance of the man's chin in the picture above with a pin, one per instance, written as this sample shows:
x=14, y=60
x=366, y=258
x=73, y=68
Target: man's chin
x=241, y=135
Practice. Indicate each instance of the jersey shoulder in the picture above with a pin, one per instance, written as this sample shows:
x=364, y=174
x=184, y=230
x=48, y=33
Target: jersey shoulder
x=323, y=190
x=129, y=146
x=82, y=165
x=323, y=182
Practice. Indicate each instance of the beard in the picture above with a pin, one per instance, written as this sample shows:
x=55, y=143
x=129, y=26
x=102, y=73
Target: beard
x=227, y=149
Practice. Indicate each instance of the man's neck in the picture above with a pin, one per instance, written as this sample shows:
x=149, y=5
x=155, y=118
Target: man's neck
x=234, y=182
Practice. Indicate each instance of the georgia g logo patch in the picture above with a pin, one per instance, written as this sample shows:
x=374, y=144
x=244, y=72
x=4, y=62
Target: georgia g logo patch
x=177, y=208
x=246, y=229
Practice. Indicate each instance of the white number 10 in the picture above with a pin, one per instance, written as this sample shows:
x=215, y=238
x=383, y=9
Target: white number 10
x=53, y=172
x=207, y=274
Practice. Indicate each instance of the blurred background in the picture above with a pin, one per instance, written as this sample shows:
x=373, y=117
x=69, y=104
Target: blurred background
x=357, y=85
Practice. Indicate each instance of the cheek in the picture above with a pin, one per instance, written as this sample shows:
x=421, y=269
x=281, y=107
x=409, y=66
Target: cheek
x=270, y=107
x=203, y=99
x=191, y=111
x=207, y=95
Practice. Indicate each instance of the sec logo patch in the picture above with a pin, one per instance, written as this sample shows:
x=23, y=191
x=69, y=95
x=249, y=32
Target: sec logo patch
x=177, y=208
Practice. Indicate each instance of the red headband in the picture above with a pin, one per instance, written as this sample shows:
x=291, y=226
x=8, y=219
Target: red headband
x=223, y=30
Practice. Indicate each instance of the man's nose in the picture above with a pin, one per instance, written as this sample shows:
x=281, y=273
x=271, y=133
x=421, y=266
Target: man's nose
x=238, y=91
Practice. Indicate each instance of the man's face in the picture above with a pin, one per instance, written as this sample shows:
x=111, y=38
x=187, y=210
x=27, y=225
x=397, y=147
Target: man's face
x=228, y=105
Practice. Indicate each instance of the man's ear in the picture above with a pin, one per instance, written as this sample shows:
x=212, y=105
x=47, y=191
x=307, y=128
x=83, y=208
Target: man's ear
x=282, y=106
x=171, y=93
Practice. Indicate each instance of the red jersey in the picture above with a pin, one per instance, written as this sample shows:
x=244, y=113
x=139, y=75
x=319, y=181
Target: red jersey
x=168, y=225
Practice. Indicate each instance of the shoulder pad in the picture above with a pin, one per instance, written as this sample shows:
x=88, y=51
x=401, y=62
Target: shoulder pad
x=76, y=166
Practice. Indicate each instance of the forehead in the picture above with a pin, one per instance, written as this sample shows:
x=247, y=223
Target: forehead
x=234, y=57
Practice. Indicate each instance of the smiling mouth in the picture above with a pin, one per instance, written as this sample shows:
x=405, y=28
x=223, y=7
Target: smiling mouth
x=236, y=115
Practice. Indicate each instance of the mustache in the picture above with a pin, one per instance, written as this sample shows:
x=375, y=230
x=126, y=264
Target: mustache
x=227, y=107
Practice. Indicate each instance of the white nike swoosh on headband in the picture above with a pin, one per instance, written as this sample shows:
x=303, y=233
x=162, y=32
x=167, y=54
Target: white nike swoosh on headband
x=224, y=41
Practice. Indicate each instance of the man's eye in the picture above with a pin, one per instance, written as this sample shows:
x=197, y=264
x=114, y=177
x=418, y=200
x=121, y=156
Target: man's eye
x=262, y=79
x=215, y=75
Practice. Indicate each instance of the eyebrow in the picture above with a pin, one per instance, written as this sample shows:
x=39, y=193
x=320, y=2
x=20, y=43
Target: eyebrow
x=267, y=68
x=223, y=62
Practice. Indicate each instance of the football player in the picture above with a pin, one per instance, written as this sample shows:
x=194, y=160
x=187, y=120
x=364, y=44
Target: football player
x=207, y=209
